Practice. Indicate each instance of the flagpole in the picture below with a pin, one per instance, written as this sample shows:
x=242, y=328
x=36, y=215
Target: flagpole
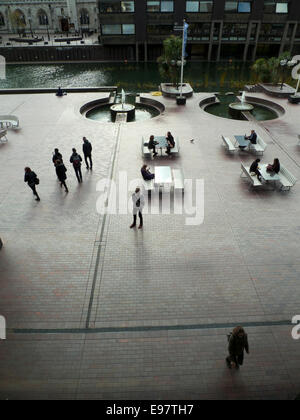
x=182, y=52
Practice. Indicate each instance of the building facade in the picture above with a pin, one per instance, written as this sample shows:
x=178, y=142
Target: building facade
x=218, y=29
x=40, y=16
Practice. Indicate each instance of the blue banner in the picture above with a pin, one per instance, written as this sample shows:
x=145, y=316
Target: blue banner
x=185, y=29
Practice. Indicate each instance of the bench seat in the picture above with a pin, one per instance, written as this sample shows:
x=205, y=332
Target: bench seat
x=228, y=144
x=178, y=179
x=255, y=182
x=286, y=178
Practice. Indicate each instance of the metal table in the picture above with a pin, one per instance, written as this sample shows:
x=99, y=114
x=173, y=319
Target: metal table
x=241, y=141
x=162, y=142
x=163, y=176
x=268, y=176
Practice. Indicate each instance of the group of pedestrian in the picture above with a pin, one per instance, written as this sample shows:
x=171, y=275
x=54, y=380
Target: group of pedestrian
x=60, y=169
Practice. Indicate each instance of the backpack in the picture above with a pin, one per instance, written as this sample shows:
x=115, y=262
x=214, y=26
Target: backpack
x=76, y=161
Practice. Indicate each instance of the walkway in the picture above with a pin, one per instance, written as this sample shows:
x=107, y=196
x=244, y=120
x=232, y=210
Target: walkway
x=96, y=310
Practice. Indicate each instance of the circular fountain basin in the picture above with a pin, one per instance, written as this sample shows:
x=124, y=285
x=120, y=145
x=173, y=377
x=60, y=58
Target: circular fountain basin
x=122, y=108
x=236, y=108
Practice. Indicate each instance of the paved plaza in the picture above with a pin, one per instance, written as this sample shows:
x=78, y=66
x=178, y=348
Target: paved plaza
x=96, y=310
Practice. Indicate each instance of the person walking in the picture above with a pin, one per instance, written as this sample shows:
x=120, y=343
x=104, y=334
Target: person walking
x=238, y=342
x=61, y=174
x=138, y=201
x=76, y=159
x=56, y=156
x=32, y=180
x=87, y=151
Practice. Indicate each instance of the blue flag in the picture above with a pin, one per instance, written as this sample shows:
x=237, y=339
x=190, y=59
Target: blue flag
x=185, y=29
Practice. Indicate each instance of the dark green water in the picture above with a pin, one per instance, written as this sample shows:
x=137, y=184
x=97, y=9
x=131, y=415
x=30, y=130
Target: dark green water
x=102, y=113
x=222, y=109
x=142, y=77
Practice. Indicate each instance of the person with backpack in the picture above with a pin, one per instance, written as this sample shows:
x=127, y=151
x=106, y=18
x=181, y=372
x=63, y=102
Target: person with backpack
x=61, y=174
x=87, y=151
x=76, y=159
x=32, y=180
x=238, y=342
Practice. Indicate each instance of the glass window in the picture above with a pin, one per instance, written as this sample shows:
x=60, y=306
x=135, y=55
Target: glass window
x=1, y=20
x=111, y=29
x=192, y=6
x=127, y=6
x=167, y=6
x=282, y=8
x=231, y=6
x=206, y=6
x=160, y=29
x=128, y=29
x=244, y=7
x=153, y=6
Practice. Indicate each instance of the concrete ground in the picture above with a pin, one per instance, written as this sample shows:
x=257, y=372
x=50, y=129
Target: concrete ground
x=96, y=310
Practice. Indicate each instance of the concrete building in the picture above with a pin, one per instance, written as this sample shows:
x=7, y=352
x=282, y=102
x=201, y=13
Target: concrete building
x=53, y=16
x=218, y=29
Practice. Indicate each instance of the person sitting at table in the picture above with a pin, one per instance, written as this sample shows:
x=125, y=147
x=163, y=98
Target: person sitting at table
x=151, y=145
x=252, y=137
x=254, y=169
x=274, y=167
x=170, y=142
x=146, y=174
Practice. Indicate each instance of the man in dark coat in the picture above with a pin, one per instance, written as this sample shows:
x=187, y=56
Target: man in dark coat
x=61, y=174
x=170, y=143
x=87, y=151
x=76, y=159
x=146, y=174
x=252, y=137
x=238, y=342
x=32, y=180
x=151, y=145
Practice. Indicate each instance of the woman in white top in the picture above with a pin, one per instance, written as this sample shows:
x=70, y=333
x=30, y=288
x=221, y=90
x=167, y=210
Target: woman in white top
x=138, y=201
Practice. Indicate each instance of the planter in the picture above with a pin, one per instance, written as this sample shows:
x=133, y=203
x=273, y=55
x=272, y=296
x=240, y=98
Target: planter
x=180, y=100
x=294, y=99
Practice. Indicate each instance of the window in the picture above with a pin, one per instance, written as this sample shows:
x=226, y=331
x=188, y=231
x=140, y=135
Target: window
x=160, y=6
x=244, y=7
x=282, y=8
x=84, y=17
x=2, y=23
x=125, y=29
x=234, y=31
x=192, y=6
x=276, y=6
x=116, y=6
x=159, y=29
x=271, y=32
x=128, y=29
x=200, y=6
x=199, y=31
x=167, y=6
x=238, y=6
